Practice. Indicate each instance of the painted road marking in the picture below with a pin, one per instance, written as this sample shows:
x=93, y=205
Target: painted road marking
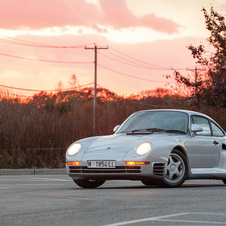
x=50, y=179
x=33, y=179
x=164, y=219
x=4, y=187
x=35, y=183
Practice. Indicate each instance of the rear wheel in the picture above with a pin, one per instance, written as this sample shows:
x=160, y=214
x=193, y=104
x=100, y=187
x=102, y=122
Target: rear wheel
x=177, y=169
x=224, y=180
x=89, y=183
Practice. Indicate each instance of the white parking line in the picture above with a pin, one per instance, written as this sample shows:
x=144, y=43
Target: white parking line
x=163, y=218
x=4, y=187
x=40, y=184
x=50, y=179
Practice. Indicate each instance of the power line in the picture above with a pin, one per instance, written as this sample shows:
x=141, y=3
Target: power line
x=40, y=45
x=11, y=40
x=131, y=76
x=37, y=90
x=139, y=60
x=17, y=41
x=133, y=64
x=21, y=89
x=128, y=60
x=49, y=61
x=144, y=64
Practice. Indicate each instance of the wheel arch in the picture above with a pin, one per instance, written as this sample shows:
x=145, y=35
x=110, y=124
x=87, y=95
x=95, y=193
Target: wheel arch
x=184, y=152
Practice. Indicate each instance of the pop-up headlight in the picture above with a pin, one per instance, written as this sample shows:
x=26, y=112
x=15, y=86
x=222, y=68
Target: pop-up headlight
x=74, y=149
x=143, y=148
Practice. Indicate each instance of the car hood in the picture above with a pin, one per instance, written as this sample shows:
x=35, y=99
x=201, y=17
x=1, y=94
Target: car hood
x=118, y=145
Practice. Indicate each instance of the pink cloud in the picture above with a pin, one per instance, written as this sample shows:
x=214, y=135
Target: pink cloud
x=120, y=16
x=159, y=23
x=40, y=14
x=117, y=14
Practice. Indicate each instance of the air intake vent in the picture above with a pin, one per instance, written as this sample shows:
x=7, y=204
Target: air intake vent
x=159, y=169
x=118, y=169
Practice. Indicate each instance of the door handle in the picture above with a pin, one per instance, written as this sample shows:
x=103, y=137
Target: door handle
x=215, y=142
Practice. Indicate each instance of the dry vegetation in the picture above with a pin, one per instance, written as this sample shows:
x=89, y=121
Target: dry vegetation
x=36, y=133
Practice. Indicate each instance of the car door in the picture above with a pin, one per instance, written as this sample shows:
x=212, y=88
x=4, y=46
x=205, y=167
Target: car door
x=204, y=147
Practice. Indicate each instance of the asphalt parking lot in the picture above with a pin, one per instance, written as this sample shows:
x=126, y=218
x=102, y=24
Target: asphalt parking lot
x=57, y=200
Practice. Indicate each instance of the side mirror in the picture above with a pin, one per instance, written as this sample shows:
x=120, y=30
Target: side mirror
x=116, y=128
x=196, y=128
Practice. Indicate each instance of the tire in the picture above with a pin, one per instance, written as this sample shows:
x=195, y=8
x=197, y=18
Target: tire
x=224, y=180
x=148, y=182
x=177, y=169
x=89, y=183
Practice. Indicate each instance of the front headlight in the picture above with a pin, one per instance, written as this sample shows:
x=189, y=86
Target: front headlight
x=74, y=149
x=143, y=148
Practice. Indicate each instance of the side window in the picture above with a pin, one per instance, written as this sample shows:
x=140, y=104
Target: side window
x=216, y=130
x=204, y=123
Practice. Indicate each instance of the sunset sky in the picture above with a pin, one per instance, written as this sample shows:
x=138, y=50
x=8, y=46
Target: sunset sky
x=43, y=43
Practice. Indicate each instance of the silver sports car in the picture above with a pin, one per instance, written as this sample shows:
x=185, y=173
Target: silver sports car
x=162, y=147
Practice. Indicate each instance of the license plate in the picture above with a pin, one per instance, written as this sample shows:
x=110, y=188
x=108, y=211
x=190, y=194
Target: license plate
x=101, y=164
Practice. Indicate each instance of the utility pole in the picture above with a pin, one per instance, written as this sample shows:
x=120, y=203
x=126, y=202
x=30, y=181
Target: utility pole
x=196, y=75
x=95, y=48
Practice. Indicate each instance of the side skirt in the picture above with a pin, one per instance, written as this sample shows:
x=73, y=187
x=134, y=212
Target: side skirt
x=207, y=173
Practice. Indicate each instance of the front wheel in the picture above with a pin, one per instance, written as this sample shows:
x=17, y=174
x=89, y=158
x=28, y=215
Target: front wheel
x=177, y=169
x=89, y=183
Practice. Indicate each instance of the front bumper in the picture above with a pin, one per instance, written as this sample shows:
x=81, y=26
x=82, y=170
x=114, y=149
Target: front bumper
x=156, y=170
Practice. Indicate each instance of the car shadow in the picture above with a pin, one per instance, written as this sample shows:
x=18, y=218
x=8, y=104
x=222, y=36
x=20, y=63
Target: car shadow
x=202, y=185
x=154, y=187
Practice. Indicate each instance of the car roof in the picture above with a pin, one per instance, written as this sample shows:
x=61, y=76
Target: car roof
x=189, y=112
x=178, y=110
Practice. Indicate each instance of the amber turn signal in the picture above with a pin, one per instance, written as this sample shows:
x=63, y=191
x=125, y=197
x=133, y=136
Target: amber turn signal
x=131, y=163
x=73, y=163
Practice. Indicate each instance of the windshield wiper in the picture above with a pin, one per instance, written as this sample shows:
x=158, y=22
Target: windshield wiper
x=144, y=131
x=155, y=129
x=175, y=131
x=139, y=131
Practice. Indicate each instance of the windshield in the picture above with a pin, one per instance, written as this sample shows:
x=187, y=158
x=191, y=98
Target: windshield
x=155, y=121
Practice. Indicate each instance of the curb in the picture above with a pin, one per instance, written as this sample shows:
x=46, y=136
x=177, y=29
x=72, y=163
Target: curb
x=33, y=172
